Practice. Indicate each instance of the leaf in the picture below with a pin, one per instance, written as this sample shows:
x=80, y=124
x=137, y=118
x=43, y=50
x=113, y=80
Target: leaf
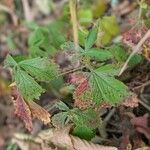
x=39, y=43
x=39, y=37
x=99, y=8
x=59, y=120
x=106, y=89
x=108, y=70
x=56, y=33
x=119, y=53
x=28, y=87
x=22, y=109
x=39, y=112
x=98, y=54
x=62, y=106
x=82, y=33
x=85, y=16
x=89, y=118
x=108, y=28
x=9, y=61
x=135, y=60
x=61, y=139
x=70, y=46
x=83, y=132
x=110, y=25
x=82, y=88
x=40, y=68
x=91, y=38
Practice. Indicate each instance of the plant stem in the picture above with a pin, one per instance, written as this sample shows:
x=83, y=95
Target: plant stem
x=73, y=11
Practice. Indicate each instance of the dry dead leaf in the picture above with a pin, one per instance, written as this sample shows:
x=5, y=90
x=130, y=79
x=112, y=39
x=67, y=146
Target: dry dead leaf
x=39, y=112
x=62, y=139
x=21, y=108
x=25, y=110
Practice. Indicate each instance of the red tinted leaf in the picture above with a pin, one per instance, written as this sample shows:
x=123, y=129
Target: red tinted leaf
x=82, y=88
x=133, y=36
x=82, y=104
x=21, y=108
x=81, y=100
x=77, y=78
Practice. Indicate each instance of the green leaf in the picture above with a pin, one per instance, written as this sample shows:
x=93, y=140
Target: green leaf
x=59, y=120
x=135, y=60
x=108, y=70
x=28, y=87
x=56, y=33
x=39, y=37
x=106, y=89
x=119, y=53
x=62, y=106
x=40, y=68
x=82, y=33
x=109, y=27
x=38, y=51
x=98, y=54
x=10, y=62
x=70, y=46
x=89, y=118
x=39, y=43
x=91, y=38
x=85, y=16
x=84, y=132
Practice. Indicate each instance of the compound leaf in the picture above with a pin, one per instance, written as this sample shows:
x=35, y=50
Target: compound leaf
x=83, y=132
x=98, y=54
x=106, y=88
x=91, y=38
x=108, y=70
x=40, y=68
x=28, y=87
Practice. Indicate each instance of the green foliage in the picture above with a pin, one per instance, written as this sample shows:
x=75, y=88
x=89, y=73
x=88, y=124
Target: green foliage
x=84, y=132
x=85, y=16
x=57, y=33
x=119, y=53
x=28, y=87
x=86, y=121
x=40, y=68
x=98, y=54
x=91, y=38
x=135, y=60
x=109, y=27
x=24, y=71
x=10, y=62
x=106, y=88
x=39, y=43
x=70, y=46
